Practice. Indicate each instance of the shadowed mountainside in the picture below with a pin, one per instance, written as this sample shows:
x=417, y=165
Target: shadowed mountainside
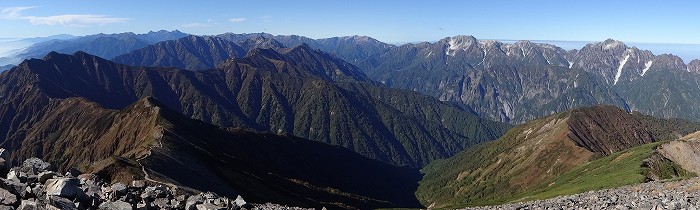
x=172, y=148
x=265, y=91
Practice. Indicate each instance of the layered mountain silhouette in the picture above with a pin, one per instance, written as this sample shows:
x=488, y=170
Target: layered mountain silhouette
x=353, y=49
x=191, y=52
x=103, y=45
x=6, y=67
x=295, y=92
x=207, y=52
x=535, y=156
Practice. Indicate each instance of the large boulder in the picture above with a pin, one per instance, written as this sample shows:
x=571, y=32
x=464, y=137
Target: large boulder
x=119, y=189
x=14, y=186
x=239, y=201
x=192, y=202
x=28, y=205
x=63, y=187
x=16, y=174
x=116, y=205
x=209, y=206
x=139, y=184
x=45, y=176
x=4, y=156
x=55, y=202
x=35, y=166
x=7, y=198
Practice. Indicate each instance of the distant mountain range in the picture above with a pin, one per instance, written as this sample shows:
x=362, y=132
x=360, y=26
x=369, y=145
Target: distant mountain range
x=510, y=83
x=103, y=45
x=522, y=81
x=353, y=49
x=347, y=122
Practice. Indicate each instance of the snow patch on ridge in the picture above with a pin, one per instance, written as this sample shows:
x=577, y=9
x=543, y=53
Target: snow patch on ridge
x=647, y=65
x=454, y=45
x=619, y=68
x=611, y=44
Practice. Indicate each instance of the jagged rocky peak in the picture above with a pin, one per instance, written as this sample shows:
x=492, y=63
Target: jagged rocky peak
x=523, y=43
x=358, y=38
x=694, y=66
x=53, y=55
x=669, y=62
x=458, y=43
x=614, y=61
x=260, y=42
x=265, y=53
x=301, y=48
x=612, y=44
x=490, y=43
x=304, y=51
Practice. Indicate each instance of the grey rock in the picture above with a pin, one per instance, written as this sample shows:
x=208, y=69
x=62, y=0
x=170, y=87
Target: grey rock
x=138, y=183
x=209, y=206
x=119, y=187
x=60, y=203
x=17, y=175
x=7, y=198
x=45, y=175
x=14, y=186
x=63, y=187
x=28, y=205
x=35, y=165
x=192, y=202
x=239, y=201
x=73, y=172
x=116, y=205
x=162, y=202
x=652, y=195
x=4, y=156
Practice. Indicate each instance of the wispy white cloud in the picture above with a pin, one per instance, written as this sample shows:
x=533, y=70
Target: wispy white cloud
x=266, y=18
x=73, y=20
x=13, y=12
x=237, y=20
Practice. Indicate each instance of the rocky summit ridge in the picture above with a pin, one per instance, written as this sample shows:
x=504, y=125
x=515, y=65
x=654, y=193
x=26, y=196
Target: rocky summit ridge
x=34, y=185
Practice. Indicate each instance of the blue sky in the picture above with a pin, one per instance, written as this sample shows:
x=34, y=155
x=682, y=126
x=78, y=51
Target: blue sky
x=389, y=21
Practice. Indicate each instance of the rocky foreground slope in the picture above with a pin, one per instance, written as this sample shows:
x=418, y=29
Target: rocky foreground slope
x=33, y=185
x=684, y=194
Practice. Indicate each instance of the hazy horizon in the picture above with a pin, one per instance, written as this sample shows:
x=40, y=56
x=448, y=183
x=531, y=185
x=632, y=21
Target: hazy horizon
x=384, y=20
x=687, y=52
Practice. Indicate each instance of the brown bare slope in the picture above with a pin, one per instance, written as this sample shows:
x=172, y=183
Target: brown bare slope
x=530, y=155
x=174, y=149
x=297, y=92
x=605, y=130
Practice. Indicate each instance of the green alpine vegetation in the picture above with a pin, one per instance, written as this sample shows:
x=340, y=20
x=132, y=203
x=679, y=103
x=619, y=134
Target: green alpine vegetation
x=571, y=152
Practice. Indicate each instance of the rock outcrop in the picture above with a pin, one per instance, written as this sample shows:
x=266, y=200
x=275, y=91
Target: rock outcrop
x=682, y=194
x=34, y=186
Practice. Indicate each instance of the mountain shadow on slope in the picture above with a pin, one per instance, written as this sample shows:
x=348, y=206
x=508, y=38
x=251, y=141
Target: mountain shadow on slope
x=257, y=92
x=173, y=149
